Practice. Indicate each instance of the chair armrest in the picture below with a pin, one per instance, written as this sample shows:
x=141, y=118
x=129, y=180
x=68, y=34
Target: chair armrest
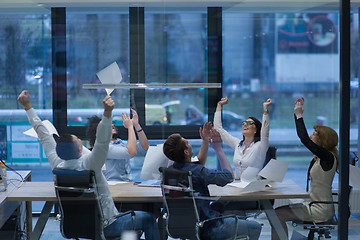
x=200, y=224
x=218, y=218
x=75, y=189
x=125, y=213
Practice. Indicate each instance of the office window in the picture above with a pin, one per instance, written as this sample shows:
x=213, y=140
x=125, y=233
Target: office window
x=94, y=41
x=282, y=56
x=175, y=52
x=25, y=63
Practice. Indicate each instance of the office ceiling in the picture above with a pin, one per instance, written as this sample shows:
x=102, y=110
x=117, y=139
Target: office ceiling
x=240, y=5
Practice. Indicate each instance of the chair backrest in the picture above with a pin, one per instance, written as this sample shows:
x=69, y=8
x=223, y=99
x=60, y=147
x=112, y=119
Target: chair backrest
x=180, y=203
x=81, y=215
x=270, y=154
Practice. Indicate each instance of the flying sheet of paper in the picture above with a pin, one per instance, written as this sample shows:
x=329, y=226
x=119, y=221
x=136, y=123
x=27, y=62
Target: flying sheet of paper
x=52, y=130
x=275, y=170
x=354, y=178
x=248, y=175
x=154, y=159
x=110, y=75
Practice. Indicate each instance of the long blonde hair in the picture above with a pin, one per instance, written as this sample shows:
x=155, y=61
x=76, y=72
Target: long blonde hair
x=328, y=139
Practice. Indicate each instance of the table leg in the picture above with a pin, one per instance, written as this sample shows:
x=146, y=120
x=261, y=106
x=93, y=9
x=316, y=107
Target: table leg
x=28, y=210
x=41, y=222
x=273, y=219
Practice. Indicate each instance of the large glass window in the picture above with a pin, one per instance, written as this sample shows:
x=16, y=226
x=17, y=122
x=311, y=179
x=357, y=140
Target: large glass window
x=176, y=52
x=25, y=63
x=282, y=56
x=94, y=41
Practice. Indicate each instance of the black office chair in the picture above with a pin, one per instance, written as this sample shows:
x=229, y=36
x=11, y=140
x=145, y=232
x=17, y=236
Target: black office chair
x=181, y=213
x=81, y=213
x=323, y=228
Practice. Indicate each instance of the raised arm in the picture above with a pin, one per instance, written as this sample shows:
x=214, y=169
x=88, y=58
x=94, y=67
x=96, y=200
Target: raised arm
x=205, y=135
x=103, y=136
x=140, y=132
x=131, y=143
x=215, y=143
x=44, y=136
x=222, y=102
x=233, y=142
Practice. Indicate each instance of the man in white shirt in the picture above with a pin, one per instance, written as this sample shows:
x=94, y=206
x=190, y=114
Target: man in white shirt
x=69, y=153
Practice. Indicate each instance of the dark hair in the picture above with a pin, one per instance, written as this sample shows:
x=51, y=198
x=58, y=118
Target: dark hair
x=91, y=129
x=174, y=148
x=258, y=129
x=66, y=147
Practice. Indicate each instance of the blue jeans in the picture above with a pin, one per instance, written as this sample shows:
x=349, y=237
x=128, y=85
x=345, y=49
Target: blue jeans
x=225, y=229
x=143, y=221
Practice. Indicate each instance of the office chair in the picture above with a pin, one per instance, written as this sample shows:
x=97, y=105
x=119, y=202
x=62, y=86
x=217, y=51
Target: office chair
x=181, y=212
x=81, y=213
x=323, y=228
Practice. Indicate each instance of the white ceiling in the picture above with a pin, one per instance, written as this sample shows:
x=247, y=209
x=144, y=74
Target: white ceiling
x=242, y=5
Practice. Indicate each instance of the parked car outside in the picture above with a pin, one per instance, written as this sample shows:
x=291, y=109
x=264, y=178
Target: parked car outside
x=231, y=121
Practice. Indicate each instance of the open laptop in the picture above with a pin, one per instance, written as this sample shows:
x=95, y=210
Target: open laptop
x=3, y=181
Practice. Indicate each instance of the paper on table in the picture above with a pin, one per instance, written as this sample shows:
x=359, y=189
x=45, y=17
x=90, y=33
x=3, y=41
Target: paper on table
x=52, y=130
x=112, y=183
x=257, y=185
x=110, y=75
x=154, y=159
x=275, y=170
x=248, y=175
x=354, y=179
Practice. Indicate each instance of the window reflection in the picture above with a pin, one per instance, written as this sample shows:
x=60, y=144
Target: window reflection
x=175, y=51
x=94, y=41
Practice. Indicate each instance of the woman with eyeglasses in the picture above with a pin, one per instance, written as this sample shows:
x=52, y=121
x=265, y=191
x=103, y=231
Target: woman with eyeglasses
x=322, y=143
x=251, y=150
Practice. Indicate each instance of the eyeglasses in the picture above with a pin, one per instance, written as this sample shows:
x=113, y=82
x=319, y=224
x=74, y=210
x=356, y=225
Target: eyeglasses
x=248, y=123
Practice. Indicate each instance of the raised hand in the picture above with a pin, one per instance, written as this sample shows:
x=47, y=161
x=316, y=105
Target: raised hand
x=127, y=121
x=205, y=131
x=223, y=101
x=299, y=107
x=266, y=104
x=24, y=99
x=135, y=118
x=109, y=105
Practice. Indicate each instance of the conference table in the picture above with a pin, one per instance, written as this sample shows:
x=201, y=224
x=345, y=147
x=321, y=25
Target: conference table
x=14, y=181
x=130, y=193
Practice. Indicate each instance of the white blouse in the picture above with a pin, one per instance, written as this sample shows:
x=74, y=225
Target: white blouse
x=254, y=155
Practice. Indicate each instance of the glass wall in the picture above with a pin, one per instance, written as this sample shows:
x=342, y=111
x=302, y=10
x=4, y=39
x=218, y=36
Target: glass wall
x=25, y=63
x=282, y=56
x=95, y=40
x=175, y=52
x=281, y=53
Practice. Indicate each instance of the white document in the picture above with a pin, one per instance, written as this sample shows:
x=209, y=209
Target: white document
x=112, y=183
x=110, y=75
x=52, y=130
x=275, y=170
x=154, y=159
x=248, y=175
x=149, y=183
x=257, y=185
x=354, y=176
